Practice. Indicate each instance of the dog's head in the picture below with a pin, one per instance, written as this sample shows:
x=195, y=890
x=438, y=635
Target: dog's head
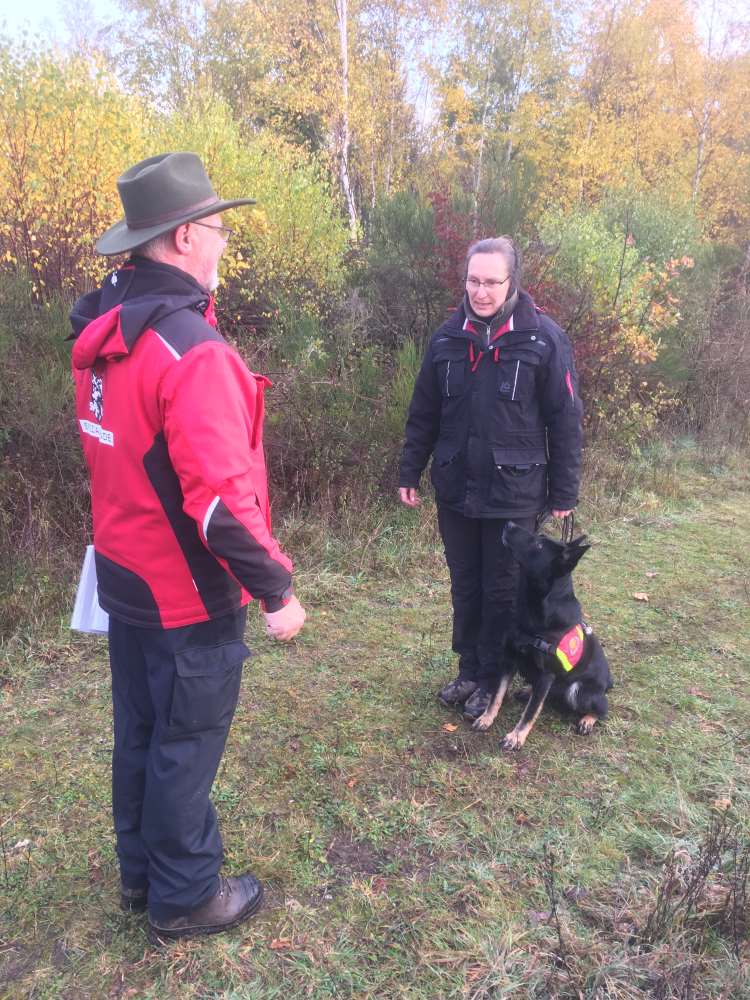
x=543, y=559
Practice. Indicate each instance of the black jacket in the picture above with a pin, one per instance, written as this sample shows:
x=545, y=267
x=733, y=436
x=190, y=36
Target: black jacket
x=498, y=408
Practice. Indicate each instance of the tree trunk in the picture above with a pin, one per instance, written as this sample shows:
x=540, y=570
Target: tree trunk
x=343, y=130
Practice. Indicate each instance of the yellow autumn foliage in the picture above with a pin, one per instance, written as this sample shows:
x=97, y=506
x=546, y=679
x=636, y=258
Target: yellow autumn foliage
x=68, y=131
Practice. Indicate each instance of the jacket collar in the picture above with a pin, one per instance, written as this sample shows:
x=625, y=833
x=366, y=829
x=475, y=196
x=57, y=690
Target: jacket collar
x=523, y=318
x=108, y=322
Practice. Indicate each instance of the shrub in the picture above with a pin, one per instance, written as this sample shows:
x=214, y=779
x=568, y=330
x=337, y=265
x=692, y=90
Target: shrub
x=615, y=299
x=291, y=245
x=401, y=277
x=44, y=520
x=67, y=133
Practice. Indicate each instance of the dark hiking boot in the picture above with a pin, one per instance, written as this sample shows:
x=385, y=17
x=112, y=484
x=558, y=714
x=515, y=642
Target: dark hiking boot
x=133, y=900
x=478, y=704
x=456, y=692
x=237, y=899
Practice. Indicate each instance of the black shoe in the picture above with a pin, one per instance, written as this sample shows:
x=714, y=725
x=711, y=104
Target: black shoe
x=237, y=899
x=456, y=692
x=133, y=900
x=478, y=704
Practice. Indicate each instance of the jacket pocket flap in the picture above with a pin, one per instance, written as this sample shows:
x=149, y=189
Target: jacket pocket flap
x=450, y=352
x=201, y=661
x=526, y=355
x=445, y=453
x=519, y=456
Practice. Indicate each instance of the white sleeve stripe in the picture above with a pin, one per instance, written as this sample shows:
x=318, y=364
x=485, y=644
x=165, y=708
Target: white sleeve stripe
x=168, y=346
x=207, y=518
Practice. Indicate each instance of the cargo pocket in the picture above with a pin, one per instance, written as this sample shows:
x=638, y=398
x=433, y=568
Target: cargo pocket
x=516, y=375
x=450, y=371
x=206, y=686
x=448, y=474
x=520, y=478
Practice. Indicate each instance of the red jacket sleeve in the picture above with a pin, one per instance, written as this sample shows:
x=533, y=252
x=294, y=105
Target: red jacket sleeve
x=212, y=410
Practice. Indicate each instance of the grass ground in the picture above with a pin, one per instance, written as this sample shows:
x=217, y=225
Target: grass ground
x=405, y=855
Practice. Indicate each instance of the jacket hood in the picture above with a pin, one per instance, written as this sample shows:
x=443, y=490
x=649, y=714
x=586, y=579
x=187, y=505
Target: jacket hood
x=108, y=322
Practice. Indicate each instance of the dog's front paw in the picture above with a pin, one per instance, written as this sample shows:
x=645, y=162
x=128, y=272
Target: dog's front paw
x=585, y=725
x=483, y=723
x=512, y=741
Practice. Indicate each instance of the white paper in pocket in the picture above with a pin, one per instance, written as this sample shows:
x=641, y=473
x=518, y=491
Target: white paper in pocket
x=87, y=615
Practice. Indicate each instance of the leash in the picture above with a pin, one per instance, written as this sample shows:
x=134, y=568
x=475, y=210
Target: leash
x=567, y=525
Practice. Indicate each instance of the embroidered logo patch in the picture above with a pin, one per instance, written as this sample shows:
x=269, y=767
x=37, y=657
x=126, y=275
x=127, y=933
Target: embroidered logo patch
x=96, y=405
x=96, y=431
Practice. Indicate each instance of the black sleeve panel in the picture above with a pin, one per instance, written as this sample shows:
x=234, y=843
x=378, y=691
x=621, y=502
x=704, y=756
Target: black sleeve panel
x=216, y=587
x=247, y=559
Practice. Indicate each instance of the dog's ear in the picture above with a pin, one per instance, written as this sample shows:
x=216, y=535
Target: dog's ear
x=573, y=553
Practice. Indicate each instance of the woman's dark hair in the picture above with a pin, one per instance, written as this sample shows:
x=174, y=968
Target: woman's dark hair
x=503, y=245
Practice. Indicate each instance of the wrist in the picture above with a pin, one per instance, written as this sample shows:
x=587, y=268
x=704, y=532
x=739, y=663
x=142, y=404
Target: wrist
x=278, y=601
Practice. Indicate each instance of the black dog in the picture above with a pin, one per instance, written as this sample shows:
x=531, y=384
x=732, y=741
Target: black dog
x=555, y=650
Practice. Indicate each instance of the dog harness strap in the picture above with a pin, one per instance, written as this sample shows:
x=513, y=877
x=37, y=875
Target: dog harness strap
x=570, y=648
x=536, y=642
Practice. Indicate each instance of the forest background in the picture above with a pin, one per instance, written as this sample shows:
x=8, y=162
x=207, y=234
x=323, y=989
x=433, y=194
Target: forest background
x=380, y=137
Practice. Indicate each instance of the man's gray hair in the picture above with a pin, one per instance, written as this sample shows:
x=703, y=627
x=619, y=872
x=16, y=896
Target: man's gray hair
x=155, y=248
x=503, y=245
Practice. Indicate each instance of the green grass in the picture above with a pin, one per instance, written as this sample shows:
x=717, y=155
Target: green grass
x=403, y=858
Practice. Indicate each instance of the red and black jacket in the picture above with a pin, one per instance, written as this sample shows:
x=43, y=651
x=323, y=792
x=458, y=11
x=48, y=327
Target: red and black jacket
x=497, y=407
x=171, y=423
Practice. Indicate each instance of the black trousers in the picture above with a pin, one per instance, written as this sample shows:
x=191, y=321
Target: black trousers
x=174, y=692
x=484, y=589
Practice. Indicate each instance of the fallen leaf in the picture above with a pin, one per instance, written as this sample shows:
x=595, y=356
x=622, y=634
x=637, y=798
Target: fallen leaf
x=450, y=727
x=697, y=693
x=722, y=804
x=281, y=944
x=522, y=819
x=640, y=596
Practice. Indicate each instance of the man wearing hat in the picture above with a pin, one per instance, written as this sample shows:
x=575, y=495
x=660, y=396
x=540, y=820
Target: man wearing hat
x=171, y=424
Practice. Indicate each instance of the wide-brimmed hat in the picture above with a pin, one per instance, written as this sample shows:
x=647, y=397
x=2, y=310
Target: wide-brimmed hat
x=159, y=194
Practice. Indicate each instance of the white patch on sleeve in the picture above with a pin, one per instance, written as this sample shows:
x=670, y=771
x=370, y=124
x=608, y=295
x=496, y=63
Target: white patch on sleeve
x=209, y=513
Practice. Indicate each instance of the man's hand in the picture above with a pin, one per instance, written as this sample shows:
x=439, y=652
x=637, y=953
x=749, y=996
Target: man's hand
x=409, y=496
x=285, y=623
x=561, y=513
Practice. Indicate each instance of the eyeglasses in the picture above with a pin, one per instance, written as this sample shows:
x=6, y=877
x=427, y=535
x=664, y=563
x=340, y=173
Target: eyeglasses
x=492, y=284
x=226, y=232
